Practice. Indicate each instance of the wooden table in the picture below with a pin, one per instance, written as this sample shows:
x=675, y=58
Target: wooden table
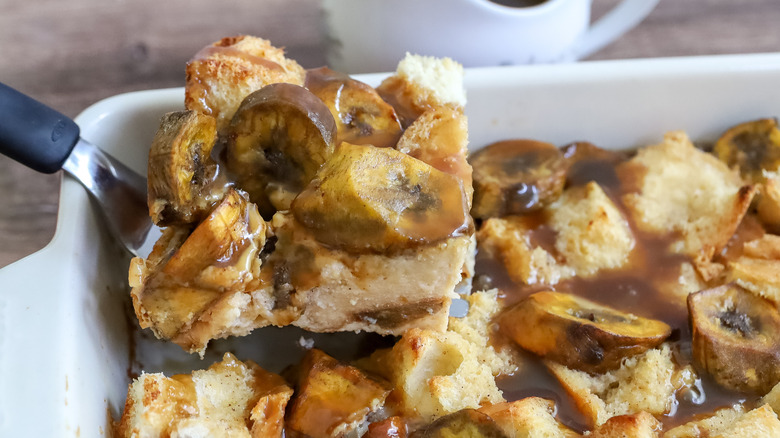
x=71, y=54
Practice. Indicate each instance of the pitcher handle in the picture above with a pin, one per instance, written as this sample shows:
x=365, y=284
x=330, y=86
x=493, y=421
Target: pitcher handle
x=616, y=22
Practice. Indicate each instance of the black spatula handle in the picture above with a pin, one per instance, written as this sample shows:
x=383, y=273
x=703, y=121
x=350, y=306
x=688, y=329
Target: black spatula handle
x=34, y=134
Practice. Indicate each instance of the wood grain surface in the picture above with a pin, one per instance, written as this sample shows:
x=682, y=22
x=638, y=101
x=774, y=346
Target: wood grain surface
x=71, y=54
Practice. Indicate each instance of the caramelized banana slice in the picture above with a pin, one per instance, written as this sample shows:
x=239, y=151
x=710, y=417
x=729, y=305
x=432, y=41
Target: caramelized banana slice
x=186, y=274
x=736, y=338
x=280, y=136
x=378, y=199
x=362, y=117
x=579, y=333
x=752, y=147
x=466, y=423
x=516, y=177
x=181, y=169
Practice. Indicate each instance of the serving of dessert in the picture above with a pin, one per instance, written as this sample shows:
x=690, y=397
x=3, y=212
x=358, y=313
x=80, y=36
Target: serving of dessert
x=610, y=293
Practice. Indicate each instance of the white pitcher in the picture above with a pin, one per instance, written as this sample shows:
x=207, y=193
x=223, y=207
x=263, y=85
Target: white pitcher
x=373, y=35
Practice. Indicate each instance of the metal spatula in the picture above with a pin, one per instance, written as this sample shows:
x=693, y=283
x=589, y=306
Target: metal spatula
x=45, y=140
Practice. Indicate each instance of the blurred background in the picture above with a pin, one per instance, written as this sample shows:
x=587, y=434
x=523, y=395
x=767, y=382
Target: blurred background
x=70, y=54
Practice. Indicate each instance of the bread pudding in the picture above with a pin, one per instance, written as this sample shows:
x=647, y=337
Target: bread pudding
x=629, y=293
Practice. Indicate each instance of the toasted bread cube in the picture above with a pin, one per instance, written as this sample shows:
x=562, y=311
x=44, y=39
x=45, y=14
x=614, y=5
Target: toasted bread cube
x=333, y=398
x=687, y=191
x=421, y=83
x=529, y=417
x=230, y=398
x=477, y=328
x=436, y=374
x=766, y=247
x=222, y=74
x=339, y=392
x=508, y=240
x=731, y=422
x=647, y=382
x=760, y=276
x=639, y=425
x=758, y=269
x=592, y=233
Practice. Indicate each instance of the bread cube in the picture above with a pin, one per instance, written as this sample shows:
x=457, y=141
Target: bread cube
x=436, y=374
x=590, y=235
x=230, y=398
x=332, y=398
x=222, y=74
x=647, y=382
x=639, y=425
x=731, y=422
x=530, y=417
x=687, y=191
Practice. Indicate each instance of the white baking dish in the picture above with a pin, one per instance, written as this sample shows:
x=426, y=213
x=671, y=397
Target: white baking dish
x=64, y=330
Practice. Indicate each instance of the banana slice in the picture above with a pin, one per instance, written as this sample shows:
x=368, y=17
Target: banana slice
x=736, y=338
x=462, y=424
x=752, y=147
x=279, y=137
x=190, y=272
x=579, y=333
x=362, y=117
x=378, y=199
x=181, y=170
x=516, y=177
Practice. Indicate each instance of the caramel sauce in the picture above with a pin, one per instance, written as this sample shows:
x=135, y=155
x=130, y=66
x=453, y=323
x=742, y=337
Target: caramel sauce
x=635, y=288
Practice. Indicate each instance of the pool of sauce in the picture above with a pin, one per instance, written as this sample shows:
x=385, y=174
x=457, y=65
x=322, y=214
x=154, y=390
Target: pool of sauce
x=632, y=288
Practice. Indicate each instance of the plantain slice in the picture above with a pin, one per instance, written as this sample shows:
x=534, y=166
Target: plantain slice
x=279, y=137
x=368, y=199
x=736, y=338
x=752, y=147
x=466, y=423
x=579, y=333
x=361, y=116
x=516, y=177
x=181, y=170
